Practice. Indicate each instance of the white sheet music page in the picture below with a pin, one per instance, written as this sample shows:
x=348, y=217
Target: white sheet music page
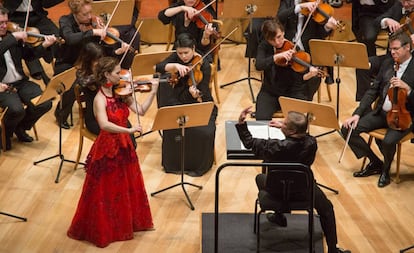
x=264, y=132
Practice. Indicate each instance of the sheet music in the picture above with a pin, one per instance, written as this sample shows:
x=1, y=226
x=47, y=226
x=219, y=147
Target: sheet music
x=264, y=132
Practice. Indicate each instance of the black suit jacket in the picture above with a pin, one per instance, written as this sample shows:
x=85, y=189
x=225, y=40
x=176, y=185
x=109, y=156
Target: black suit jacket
x=18, y=53
x=37, y=5
x=379, y=88
x=289, y=19
x=395, y=12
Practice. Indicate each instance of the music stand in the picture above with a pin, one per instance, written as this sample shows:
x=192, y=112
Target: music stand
x=318, y=115
x=338, y=54
x=182, y=116
x=58, y=85
x=248, y=9
x=123, y=14
x=144, y=63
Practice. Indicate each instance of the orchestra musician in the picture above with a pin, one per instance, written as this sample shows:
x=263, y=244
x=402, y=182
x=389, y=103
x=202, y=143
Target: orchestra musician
x=38, y=17
x=199, y=141
x=78, y=28
x=279, y=80
x=16, y=90
x=364, y=119
x=182, y=15
x=291, y=17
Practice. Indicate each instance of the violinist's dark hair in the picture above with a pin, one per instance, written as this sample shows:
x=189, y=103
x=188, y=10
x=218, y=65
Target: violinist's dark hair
x=270, y=27
x=297, y=122
x=89, y=54
x=104, y=65
x=3, y=10
x=76, y=5
x=185, y=40
x=401, y=36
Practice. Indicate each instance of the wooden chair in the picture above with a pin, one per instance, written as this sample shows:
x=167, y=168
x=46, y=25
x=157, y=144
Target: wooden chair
x=83, y=131
x=380, y=134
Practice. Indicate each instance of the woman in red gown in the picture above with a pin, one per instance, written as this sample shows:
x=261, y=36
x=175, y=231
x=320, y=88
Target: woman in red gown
x=114, y=203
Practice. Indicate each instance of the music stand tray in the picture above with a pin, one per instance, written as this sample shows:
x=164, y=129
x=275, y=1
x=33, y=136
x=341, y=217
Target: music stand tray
x=339, y=54
x=181, y=117
x=144, y=63
x=58, y=85
x=123, y=14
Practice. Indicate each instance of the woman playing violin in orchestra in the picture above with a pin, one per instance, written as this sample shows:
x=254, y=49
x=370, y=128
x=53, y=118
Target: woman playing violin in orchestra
x=293, y=14
x=19, y=119
x=186, y=19
x=395, y=72
x=279, y=80
x=199, y=148
x=78, y=28
x=114, y=203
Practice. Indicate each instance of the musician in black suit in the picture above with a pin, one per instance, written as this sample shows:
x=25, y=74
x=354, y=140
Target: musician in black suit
x=365, y=120
x=37, y=18
x=293, y=20
x=15, y=87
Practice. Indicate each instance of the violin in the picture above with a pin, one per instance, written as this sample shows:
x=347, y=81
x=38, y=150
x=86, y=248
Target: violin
x=125, y=88
x=112, y=34
x=204, y=17
x=407, y=23
x=398, y=118
x=300, y=61
x=33, y=34
x=322, y=13
x=196, y=75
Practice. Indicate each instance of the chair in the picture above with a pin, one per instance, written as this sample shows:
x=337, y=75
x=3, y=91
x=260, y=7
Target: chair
x=289, y=187
x=83, y=131
x=380, y=134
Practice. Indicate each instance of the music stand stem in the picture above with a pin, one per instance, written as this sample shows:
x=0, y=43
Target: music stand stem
x=60, y=155
x=404, y=250
x=182, y=121
x=249, y=77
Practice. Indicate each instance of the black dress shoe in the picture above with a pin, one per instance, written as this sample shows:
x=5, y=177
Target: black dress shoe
x=339, y=250
x=384, y=179
x=372, y=168
x=65, y=125
x=37, y=75
x=22, y=135
x=277, y=218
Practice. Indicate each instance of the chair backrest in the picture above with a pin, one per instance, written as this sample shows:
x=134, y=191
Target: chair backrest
x=292, y=185
x=2, y=128
x=80, y=99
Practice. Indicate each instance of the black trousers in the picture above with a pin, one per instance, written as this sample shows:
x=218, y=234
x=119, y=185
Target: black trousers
x=17, y=116
x=369, y=122
x=324, y=208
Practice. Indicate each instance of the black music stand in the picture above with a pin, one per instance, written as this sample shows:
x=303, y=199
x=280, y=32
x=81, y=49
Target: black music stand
x=14, y=216
x=58, y=85
x=338, y=54
x=404, y=250
x=182, y=116
x=318, y=115
x=248, y=9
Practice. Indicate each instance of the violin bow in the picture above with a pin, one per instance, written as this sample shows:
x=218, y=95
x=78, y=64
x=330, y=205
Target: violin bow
x=205, y=7
x=129, y=45
x=134, y=96
x=215, y=46
x=112, y=14
x=304, y=26
x=348, y=136
x=26, y=21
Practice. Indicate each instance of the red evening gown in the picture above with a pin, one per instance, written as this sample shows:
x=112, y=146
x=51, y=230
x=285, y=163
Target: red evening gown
x=114, y=203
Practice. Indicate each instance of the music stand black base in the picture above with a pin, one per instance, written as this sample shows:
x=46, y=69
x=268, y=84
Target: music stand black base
x=60, y=155
x=14, y=216
x=328, y=188
x=185, y=192
x=404, y=250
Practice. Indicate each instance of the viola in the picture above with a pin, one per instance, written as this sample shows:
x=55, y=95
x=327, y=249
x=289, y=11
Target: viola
x=398, y=118
x=300, y=61
x=407, y=23
x=322, y=13
x=34, y=37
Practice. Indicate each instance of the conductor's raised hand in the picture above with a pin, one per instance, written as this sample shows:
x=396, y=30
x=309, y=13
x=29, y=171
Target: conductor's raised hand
x=244, y=113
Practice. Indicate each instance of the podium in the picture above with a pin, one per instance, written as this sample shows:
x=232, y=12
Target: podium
x=182, y=117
